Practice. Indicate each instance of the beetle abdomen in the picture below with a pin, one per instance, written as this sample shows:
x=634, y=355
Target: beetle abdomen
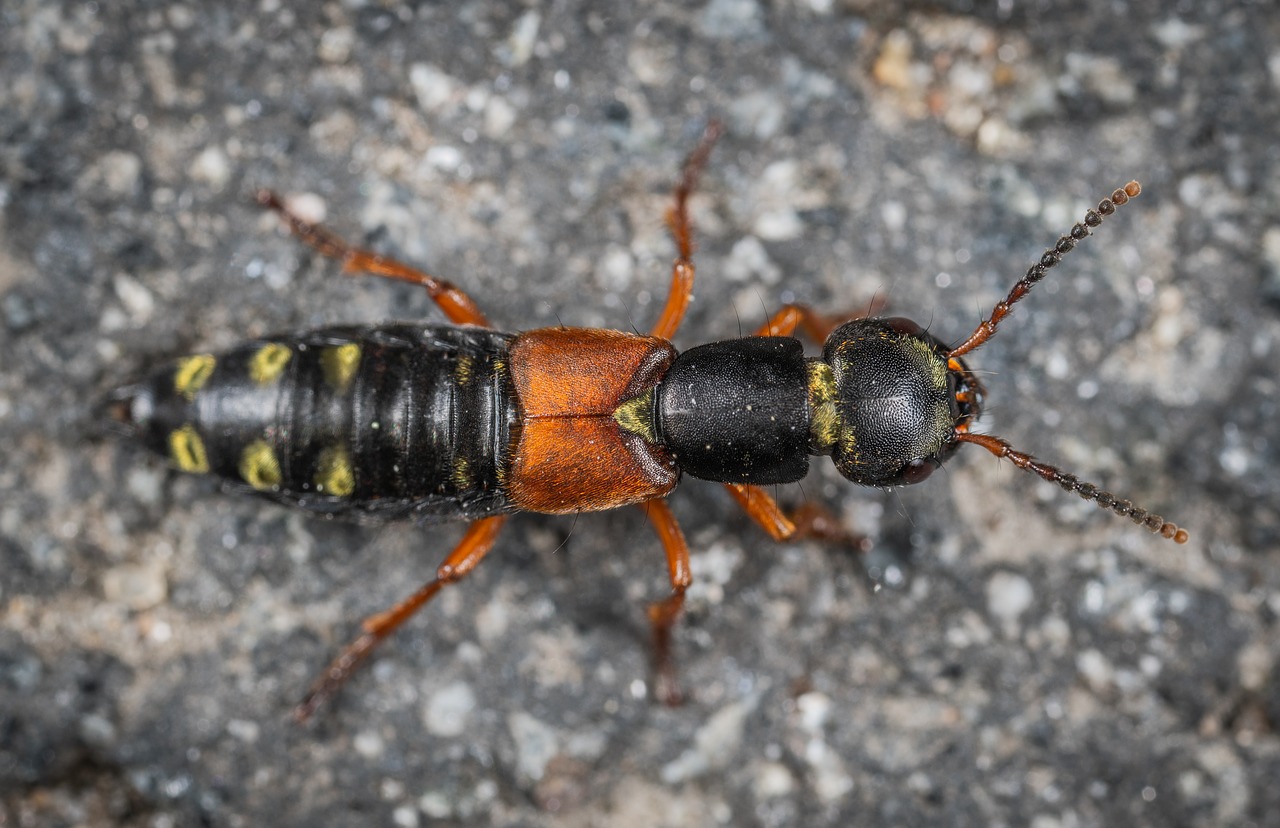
x=384, y=421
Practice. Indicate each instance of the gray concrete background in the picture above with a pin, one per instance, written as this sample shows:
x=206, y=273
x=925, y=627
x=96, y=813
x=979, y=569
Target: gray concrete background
x=1040, y=663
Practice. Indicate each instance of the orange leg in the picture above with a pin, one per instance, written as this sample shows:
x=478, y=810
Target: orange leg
x=808, y=521
x=786, y=320
x=815, y=325
x=475, y=544
x=682, y=231
x=456, y=305
x=664, y=614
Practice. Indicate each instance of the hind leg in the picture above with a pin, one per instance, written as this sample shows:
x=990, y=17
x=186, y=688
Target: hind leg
x=457, y=305
x=475, y=544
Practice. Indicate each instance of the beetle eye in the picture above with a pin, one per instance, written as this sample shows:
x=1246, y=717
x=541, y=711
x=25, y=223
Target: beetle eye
x=917, y=470
x=903, y=326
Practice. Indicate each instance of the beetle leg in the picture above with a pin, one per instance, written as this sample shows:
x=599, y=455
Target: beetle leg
x=816, y=326
x=475, y=544
x=789, y=317
x=682, y=231
x=664, y=614
x=456, y=304
x=807, y=521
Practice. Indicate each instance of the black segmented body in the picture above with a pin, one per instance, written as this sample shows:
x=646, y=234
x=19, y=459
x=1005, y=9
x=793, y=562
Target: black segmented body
x=388, y=421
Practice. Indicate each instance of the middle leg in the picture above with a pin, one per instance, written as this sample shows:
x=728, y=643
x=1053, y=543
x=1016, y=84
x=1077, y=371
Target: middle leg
x=682, y=231
x=664, y=614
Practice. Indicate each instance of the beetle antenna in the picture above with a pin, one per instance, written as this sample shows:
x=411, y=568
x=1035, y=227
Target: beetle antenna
x=1068, y=481
x=1051, y=257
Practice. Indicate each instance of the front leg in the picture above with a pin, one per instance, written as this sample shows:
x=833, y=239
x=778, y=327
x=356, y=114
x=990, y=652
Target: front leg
x=816, y=326
x=807, y=521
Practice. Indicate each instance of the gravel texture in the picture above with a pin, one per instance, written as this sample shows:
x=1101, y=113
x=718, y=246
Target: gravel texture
x=1031, y=661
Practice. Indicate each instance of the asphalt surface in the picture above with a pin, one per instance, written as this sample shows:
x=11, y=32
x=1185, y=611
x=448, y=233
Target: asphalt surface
x=1029, y=659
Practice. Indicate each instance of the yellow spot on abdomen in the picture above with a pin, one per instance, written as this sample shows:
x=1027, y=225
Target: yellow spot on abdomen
x=339, y=365
x=186, y=450
x=259, y=466
x=266, y=366
x=334, y=473
x=462, y=370
x=461, y=473
x=192, y=373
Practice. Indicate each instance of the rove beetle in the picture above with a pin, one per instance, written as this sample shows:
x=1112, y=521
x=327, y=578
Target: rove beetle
x=462, y=422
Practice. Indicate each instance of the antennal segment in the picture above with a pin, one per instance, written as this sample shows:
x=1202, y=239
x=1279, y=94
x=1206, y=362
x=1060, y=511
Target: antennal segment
x=1068, y=481
x=1051, y=257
